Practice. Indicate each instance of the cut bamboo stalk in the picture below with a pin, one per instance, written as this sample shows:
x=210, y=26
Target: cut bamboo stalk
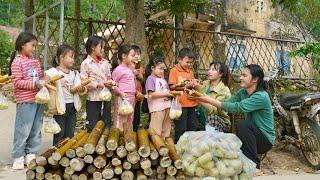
x=82, y=141
x=57, y=177
x=154, y=162
x=30, y=174
x=145, y=163
x=91, y=169
x=48, y=175
x=173, y=153
x=168, y=177
x=113, y=139
x=140, y=175
x=80, y=152
x=126, y=165
x=97, y=175
x=165, y=161
x=71, y=153
x=121, y=151
x=109, y=153
x=32, y=164
x=40, y=169
x=52, y=162
x=161, y=170
x=75, y=177
x=133, y=157
x=161, y=176
x=64, y=162
x=154, y=155
x=78, y=89
x=148, y=171
x=40, y=161
x=77, y=164
x=116, y=161
x=88, y=159
x=100, y=161
x=101, y=147
x=90, y=145
x=55, y=78
x=130, y=137
x=67, y=176
x=158, y=143
x=50, y=87
x=136, y=166
x=57, y=174
x=180, y=175
x=39, y=176
x=127, y=175
x=69, y=170
x=171, y=170
x=108, y=172
x=144, y=143
x=83, y=176
x=118, y=170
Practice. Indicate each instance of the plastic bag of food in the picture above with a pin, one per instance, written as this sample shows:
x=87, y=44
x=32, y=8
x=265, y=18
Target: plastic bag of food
x=175, y=109
x=52, y=127
x=3, y=102
x=105, y=94
x=125, y=108
x=43, y=96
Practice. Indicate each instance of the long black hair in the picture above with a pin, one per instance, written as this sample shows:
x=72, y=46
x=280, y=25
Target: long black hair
x=257, y=72
x=22, y=39
x=62, y=50
x=92, y=42
x=157, y=59
x=224, y=70
x=123, y=50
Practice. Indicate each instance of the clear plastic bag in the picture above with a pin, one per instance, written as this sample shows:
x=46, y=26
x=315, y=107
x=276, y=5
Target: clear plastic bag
x=43, y=96
x=3, y=102
x=105, y=94
x=125, y=108
x=175, y=109
x=52, y=127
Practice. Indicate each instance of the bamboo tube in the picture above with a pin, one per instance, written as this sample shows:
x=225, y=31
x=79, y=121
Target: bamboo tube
x=91, y=169
x=133, y=157
x=80, y=152
x=51, y=87
x=193, y=92
x=101, y=148
x=67, y=176
x=60, y=152
x=140, y=175
x=121, y=151
x=165, y=161
x=173, y=153
x=32, y=164
x=176, y=93
x=148, y=171
x=48, y=175
x=168, y=177
x=154, y=174
x=180, y=175
x=126, y=165
x=118, y=170
x=39, y=176
x=145, y=163
x=161, y=176
x=57, y=174
x=40, y=169
x=97, y=175
x=71, y=153
x=116, y=161
x=136, y=166
x=4, y=78
x=30, y=174
x=64, y=162
x=52, y=162
x=100, y=161
x=75, y=176
x=113, y=139
x=153, y=152
x=130, y=137
x=127, y=175
x=158, y=143
x=109, y=153
x=68, y=170
x=154, y=162
x=83, y=176
x=161, y=170
x=90, y=145
x=108, y=172
x=88, y=159
x=55, y=78
x=78, y=89
x=77, y=164
x=171, y=170
x=143, y=139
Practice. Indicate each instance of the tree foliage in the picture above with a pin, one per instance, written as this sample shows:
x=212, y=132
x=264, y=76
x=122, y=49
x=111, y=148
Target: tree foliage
x=6, y=47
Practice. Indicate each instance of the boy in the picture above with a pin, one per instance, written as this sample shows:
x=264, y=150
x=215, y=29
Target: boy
x=183, y=70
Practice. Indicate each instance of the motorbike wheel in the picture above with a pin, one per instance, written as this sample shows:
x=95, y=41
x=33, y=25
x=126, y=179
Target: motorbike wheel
x=310, y=134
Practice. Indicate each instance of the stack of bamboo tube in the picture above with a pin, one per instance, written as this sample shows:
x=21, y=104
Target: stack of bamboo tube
x=109, y=154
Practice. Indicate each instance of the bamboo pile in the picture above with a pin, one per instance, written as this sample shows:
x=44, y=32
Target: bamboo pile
x=109, y=154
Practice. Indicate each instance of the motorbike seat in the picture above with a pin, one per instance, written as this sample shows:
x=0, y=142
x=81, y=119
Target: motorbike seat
x=289, y=100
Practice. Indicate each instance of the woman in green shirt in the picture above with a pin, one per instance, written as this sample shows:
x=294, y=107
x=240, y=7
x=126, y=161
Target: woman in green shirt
x=217, y=87
x=256, y=131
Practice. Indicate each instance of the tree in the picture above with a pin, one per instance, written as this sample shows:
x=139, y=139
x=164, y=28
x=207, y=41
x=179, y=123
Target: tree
x=6, y=47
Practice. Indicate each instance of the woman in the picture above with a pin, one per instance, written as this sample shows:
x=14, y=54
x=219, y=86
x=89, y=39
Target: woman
x=256, y=131
x=216, y=87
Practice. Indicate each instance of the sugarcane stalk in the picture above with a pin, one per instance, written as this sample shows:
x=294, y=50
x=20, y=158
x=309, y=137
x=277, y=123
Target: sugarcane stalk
x=165, y=161
x=161, y=170
x=126, y=165
x=108, y=172
x=116, y=161
x=118, y=170
x=145, y=163
x=90, y=145
x=100, y=161
x=39, y=176
x=171, y=170
x=158, y=143
x=91, y=169
x=133, y=157
x=173, y=153
x=88, y=159
x=113, y=139
x=30, y=174
x=109, y=153
x=140, y=175
x=130, y=137
x=101, y=147
x=77, y=164
x=153, y=152
x=148, y=171
x=143, y=139
x=127, y=175
x=97, y=175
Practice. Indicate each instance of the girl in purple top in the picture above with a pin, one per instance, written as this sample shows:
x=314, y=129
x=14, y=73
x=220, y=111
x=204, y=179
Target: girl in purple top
x=125, y=84
x=159, y=103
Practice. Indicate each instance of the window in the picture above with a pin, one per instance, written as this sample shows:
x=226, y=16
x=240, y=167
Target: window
x=260, y=6
x=237, y=55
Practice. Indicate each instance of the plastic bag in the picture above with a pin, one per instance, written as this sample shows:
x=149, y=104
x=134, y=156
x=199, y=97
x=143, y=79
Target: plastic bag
x=43, y=96
x=175, y=109
x=3, y=102
x=52, y=127
x=125, y=108
x=105, y=95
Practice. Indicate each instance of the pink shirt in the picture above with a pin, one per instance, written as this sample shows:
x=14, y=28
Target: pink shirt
x=125, y=79
x=156, y=84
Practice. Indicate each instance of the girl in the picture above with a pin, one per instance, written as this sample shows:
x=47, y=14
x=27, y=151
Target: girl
x=28, y=79
x=159, y=103
x=66, y=104
x=97, y=70
x=124, y=77
x=217, y=87
x=256, y=131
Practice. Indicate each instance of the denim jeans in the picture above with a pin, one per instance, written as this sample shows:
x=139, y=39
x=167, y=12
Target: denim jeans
x=27, y=129
x=187, y=122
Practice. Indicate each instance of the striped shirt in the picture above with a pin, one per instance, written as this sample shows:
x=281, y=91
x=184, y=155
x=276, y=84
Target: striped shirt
x=26, y=71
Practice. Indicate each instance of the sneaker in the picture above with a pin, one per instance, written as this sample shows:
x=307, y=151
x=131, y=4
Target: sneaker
x=18, y=163
x=29, y=157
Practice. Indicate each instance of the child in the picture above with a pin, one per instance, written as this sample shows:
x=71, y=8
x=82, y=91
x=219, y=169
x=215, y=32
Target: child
x=188, y=120
x=66, y=103
x=29, y=115
x=125, y=84
x=159, y=103
x=97, y=70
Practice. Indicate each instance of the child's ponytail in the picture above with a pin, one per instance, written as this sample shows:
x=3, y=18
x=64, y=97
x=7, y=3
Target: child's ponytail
x=12, y=56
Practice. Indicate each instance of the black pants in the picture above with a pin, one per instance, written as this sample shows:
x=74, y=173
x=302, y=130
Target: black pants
x=187, y=122
x=67, y=123
x=136, y=116
x=94, y=109
x=254, y=142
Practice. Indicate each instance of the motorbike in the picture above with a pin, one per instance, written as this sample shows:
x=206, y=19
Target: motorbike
x=297, y=119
